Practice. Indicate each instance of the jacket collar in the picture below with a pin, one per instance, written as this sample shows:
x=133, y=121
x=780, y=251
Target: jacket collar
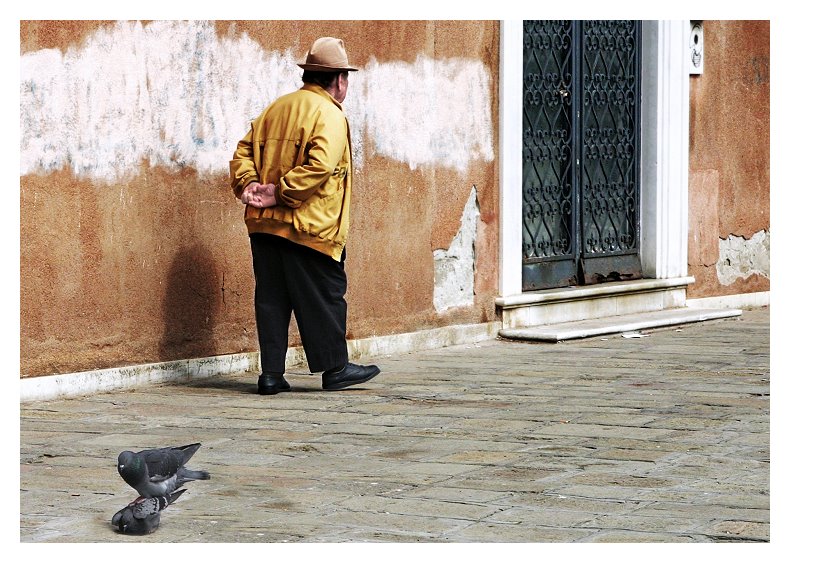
x=321, y=92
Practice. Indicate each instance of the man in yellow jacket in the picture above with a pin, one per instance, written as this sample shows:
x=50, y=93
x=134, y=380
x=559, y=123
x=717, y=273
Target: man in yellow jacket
x=293, y=173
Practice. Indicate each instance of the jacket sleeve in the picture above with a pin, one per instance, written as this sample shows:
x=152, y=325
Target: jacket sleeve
x=326, y=148
x=243, y=169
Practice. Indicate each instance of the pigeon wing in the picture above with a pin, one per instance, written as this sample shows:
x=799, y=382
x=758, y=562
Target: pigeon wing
x=162, y=463
x=154, y=505
x=147, y=507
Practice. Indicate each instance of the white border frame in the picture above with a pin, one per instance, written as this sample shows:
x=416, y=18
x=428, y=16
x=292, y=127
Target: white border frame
x=510, y=165
x=665, y=141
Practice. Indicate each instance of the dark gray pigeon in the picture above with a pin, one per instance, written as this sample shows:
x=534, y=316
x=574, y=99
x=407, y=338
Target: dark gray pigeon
x=143, y=517
x=157, y=472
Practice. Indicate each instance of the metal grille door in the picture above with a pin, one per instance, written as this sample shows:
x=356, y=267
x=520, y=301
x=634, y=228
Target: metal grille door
x=580, y=161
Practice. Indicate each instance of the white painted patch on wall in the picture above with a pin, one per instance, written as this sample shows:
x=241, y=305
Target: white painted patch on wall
x=429, y=112
x=455, y=267
x=742, y=258
x=176, y=94
x=172, y=93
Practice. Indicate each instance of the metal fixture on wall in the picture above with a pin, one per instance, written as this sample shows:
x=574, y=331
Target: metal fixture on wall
x=695, y=47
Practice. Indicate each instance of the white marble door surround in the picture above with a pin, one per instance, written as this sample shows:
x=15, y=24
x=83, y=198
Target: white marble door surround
x=664, y=153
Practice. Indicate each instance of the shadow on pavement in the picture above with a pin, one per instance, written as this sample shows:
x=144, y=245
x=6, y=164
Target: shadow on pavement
x=250, y=387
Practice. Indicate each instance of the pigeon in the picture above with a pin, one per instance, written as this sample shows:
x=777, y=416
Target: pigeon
x=126, y=523
x=143, y=517
x=157, y=472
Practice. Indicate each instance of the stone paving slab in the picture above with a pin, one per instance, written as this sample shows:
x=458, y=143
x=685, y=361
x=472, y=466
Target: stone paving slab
x=659, y=439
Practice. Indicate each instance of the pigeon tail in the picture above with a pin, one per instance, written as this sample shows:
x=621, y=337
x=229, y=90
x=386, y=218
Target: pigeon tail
x=185, y=475
x=174, y=496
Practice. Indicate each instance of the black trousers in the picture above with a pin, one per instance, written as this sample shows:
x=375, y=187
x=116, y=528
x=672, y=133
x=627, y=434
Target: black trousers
x=291, y=277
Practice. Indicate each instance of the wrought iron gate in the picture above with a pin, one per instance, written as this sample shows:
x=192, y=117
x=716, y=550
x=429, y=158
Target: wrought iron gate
x=580, y=144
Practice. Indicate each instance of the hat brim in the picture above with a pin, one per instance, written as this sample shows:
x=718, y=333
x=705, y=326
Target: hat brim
x=322, y=68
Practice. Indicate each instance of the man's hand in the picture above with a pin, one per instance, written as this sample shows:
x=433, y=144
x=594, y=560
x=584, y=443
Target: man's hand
x=259, y=195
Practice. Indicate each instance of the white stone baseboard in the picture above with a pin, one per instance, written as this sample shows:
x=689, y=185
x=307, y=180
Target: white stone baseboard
x=738, y=301
x=49, y=387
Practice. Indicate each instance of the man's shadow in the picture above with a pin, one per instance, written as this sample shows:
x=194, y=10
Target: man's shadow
x=190, y=309
x=191, y=306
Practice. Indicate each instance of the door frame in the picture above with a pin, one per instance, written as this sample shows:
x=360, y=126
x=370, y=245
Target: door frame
x=664, y=152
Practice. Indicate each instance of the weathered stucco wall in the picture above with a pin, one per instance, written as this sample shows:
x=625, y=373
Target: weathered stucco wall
x=729, y=176
x=133, y=249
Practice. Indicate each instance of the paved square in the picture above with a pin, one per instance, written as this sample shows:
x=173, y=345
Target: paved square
x=658, y=439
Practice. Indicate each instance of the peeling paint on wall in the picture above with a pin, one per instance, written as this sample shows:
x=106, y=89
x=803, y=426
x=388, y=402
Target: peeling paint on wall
x=742, y=258
x=455, y=267
x=175, y=94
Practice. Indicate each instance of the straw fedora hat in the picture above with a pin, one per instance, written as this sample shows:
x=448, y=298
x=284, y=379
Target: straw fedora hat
x=327, y=55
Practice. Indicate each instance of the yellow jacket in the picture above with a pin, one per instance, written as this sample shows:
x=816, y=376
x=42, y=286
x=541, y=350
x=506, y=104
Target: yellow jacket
x=301, y=144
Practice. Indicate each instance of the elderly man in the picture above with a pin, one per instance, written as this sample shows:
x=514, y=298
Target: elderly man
x=293, y=173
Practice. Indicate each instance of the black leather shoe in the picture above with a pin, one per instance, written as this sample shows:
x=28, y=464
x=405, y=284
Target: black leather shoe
x=351, y=374
x=272, y=384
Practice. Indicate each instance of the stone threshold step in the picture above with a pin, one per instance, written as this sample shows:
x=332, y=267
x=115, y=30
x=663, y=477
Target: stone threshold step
x=612, y=325
x=590, y=292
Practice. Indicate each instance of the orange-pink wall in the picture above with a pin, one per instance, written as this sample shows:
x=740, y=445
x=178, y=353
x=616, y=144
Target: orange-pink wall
x=133, y=249
x=729, y=170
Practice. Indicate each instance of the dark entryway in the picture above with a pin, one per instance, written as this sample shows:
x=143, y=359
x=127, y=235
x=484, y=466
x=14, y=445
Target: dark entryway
x=580, y=159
